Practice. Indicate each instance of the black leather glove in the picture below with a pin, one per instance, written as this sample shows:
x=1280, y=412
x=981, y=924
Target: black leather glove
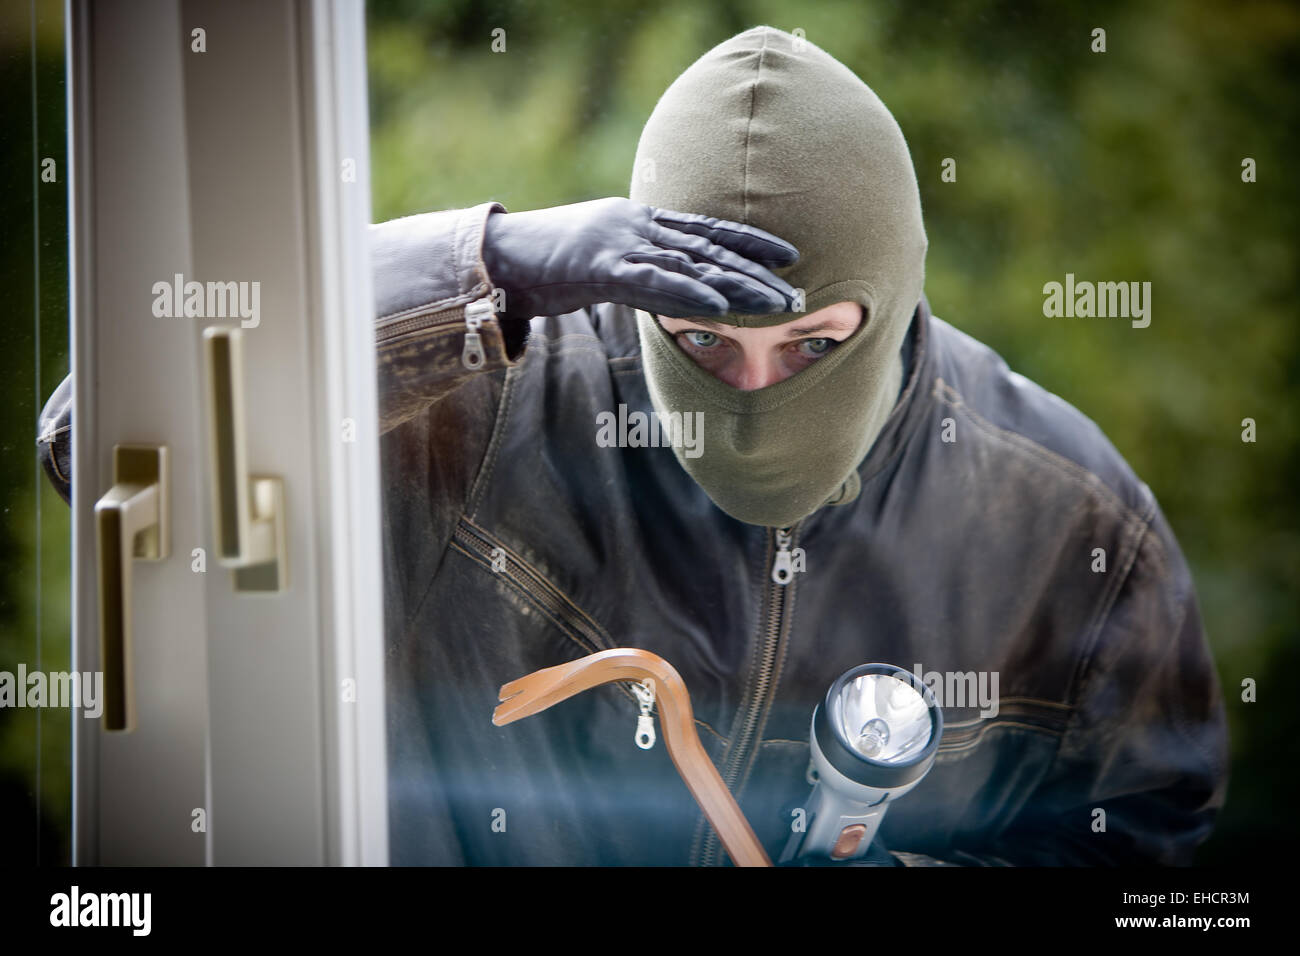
x=552, y=261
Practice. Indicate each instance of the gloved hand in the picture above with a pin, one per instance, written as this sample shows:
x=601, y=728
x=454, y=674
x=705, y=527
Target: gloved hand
x=876, y=855
x=556, y=260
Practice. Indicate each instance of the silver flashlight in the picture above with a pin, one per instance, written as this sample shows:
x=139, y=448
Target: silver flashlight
x=873, y=739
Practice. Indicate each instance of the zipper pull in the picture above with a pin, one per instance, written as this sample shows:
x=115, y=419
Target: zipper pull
x=645, y=724
x=472, y=356
x=782, y=567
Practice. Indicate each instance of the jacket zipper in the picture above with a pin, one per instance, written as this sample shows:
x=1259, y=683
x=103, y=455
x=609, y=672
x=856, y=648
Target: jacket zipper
x=475, y=313
x=523, y=578
x=780, y=575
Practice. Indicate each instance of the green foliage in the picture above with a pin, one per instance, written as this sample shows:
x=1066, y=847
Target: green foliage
x=35, y=529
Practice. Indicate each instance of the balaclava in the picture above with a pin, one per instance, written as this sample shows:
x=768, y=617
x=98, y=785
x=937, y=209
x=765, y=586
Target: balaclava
x=769, y=130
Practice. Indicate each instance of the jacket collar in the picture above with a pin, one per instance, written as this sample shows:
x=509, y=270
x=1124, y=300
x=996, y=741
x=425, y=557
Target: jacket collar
x=910, y=409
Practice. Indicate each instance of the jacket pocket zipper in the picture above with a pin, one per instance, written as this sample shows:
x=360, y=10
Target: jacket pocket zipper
x=475, y=313
x=569, y=619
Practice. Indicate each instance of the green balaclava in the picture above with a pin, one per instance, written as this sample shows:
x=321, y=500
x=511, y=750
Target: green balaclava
x=771, y=131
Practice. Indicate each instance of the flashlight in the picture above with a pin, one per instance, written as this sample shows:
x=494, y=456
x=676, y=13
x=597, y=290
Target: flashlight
x=873, y=739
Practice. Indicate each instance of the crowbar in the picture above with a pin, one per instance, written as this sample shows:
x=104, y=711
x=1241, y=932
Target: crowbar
x=539, y=690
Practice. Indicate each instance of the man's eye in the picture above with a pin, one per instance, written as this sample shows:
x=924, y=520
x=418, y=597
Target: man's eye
x=816, y=348
x=701, y=340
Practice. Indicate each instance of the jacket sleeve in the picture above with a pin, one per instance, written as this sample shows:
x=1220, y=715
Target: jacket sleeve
x=426, y=270
x=54, y=439
x=1141, y=771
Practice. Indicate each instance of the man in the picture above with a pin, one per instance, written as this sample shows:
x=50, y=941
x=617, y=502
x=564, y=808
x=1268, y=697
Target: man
x=767, y=466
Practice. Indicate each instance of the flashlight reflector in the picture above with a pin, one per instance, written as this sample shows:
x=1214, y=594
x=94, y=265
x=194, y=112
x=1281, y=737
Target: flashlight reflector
x=882, y=718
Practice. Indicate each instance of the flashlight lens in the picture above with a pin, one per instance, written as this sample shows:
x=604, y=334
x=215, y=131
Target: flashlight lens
x=883, y=718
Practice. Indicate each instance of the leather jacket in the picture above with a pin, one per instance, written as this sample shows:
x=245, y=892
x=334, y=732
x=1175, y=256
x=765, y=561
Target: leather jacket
x=513, y=542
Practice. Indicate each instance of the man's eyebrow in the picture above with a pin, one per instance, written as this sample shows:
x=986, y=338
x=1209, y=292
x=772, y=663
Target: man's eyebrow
x=832, y=326
x=794, y=332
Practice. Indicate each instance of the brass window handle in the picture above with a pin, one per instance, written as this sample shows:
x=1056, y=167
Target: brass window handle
x=539, y=690
x=132, y=522
x=248, y=516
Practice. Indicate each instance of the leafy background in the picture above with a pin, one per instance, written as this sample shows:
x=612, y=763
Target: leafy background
x=1118, y=165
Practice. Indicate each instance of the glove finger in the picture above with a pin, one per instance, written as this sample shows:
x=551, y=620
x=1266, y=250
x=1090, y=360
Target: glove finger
x=701, y=248
x=664, y=291
x=743, y=294
x=751, y=242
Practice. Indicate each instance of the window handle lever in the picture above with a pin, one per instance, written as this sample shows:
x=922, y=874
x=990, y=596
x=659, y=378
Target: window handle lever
x=248, y=515
x=132, y=522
